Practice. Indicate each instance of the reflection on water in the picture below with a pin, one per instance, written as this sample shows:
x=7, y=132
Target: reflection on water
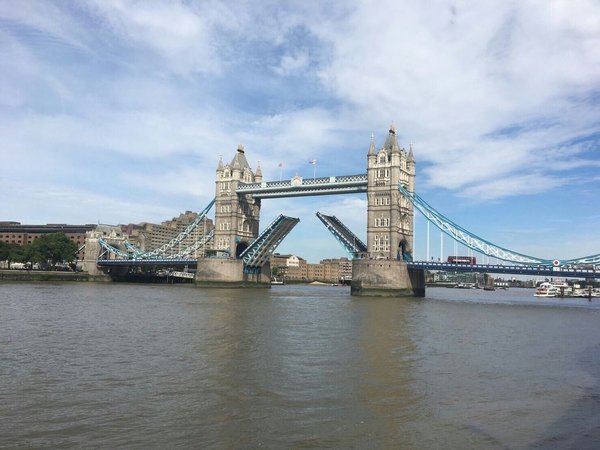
x=134, y=366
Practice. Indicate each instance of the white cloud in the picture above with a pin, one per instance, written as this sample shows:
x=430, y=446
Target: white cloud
x=496, y=97
x=450, y=77
x=172, y=30
x=292, y=63
x=40, y=203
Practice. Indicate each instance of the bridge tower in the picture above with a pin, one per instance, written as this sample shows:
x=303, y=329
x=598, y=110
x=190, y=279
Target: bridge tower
x=389, y=213
x=236, y=215
x=236, y=227
x=383, y=270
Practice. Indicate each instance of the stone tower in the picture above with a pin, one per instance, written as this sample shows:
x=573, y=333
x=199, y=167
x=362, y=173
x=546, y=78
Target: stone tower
x=236, y=216
x=389, y=214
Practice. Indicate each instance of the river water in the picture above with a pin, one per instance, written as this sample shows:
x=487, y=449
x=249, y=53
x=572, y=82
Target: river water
x=153, y=366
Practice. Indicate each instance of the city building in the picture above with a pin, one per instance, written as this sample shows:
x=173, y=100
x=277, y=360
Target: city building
x=148, y=236
x=295, y=268
x=290, y=267
x=16, y=233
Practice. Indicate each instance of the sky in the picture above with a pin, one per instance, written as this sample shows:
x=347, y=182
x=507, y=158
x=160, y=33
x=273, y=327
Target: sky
x=117, y=111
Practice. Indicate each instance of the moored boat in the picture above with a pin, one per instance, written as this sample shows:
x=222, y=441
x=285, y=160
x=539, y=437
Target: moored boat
x=546, y=289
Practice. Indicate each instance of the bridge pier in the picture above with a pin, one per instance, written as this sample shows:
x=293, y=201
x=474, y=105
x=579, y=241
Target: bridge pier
x=229, y=273
x=386, y=278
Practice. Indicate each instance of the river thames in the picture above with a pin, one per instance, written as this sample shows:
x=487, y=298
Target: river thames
x=86, y=365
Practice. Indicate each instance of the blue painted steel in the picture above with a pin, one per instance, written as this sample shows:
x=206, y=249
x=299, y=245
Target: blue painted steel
x=584, y=261
x=466, y=237
x=112, y=249
x=259, y=251
x=132, y=248
x=481, y=245
x=161, y=251
x=146, y=262
x=351, y=243
x=134, y=253
x=540, y=270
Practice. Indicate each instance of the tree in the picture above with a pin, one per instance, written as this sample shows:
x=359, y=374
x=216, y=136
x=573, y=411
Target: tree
x=4, y=251
x=11, y=252
x=52, y=248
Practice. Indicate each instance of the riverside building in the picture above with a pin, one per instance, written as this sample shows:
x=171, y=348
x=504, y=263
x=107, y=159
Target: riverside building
x=16, y=233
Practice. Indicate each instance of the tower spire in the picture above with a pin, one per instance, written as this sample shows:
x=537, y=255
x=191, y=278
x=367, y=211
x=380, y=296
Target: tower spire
x=372, y=146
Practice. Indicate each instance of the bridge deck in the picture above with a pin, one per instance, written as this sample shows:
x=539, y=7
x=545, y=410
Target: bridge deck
x=540, y=270
x=146, y=262
x=347, y=238
x=259, y=252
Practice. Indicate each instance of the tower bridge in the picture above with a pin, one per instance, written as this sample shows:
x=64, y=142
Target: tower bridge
x=236, y=254
x=240, y=191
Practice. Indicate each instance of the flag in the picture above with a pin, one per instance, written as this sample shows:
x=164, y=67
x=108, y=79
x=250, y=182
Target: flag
x=312, y=161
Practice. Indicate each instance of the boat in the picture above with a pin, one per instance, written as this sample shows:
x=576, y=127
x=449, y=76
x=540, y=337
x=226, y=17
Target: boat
x=546, y=289
x=276, y=281
x=564, y=290
x=581, y=293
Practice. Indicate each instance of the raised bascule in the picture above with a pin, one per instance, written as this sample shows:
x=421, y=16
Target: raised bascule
x=236, y=253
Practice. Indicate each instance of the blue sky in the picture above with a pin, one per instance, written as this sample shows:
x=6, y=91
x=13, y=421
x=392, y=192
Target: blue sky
x=116, y=111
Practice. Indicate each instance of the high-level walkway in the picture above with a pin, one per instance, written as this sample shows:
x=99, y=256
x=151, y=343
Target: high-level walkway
x=298, y=186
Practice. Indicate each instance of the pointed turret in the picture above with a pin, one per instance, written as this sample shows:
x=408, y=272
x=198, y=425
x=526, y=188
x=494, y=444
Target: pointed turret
x=391, y=143
x=258, y=173
x=240, y=159
x=220, y=165
x=372, y=146
x=411, y=156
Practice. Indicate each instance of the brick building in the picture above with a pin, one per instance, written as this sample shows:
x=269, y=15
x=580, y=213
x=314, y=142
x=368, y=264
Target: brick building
x=16, y=233
x=149, y=236
x=295, y=268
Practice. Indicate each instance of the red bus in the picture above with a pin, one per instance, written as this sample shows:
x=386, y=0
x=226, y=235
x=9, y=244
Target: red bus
x=462, y=260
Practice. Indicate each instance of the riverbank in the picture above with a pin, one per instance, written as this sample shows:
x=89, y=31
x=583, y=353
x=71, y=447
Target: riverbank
x=42, y=275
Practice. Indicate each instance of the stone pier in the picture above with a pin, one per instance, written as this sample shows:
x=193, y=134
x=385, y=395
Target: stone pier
x=386, y=278
x=222, y=272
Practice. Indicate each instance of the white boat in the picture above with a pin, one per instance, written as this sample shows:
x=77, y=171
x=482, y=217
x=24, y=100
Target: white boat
x=563, y=288
x=546, y=290
x=581, y=293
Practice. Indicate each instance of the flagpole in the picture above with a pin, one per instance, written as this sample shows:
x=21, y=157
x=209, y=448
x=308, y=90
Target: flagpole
x=314, y=164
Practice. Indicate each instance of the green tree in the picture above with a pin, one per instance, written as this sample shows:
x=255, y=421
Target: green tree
x=4, y=251
x=52, y=248
x=11, y=252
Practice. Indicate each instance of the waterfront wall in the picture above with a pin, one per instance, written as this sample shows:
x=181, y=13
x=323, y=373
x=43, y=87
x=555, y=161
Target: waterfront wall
x=40, y=275
x=215, y=272
x=386, y=278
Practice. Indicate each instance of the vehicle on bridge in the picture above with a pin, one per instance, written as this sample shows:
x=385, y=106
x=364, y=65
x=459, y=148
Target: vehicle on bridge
x=462, y=260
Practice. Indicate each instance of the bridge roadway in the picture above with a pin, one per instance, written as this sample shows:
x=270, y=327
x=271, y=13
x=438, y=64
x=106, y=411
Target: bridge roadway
x=551, y=271
x=146, y=262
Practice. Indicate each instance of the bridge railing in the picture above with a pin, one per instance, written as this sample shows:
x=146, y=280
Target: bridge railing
x=519, y=269
x=358, y=179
